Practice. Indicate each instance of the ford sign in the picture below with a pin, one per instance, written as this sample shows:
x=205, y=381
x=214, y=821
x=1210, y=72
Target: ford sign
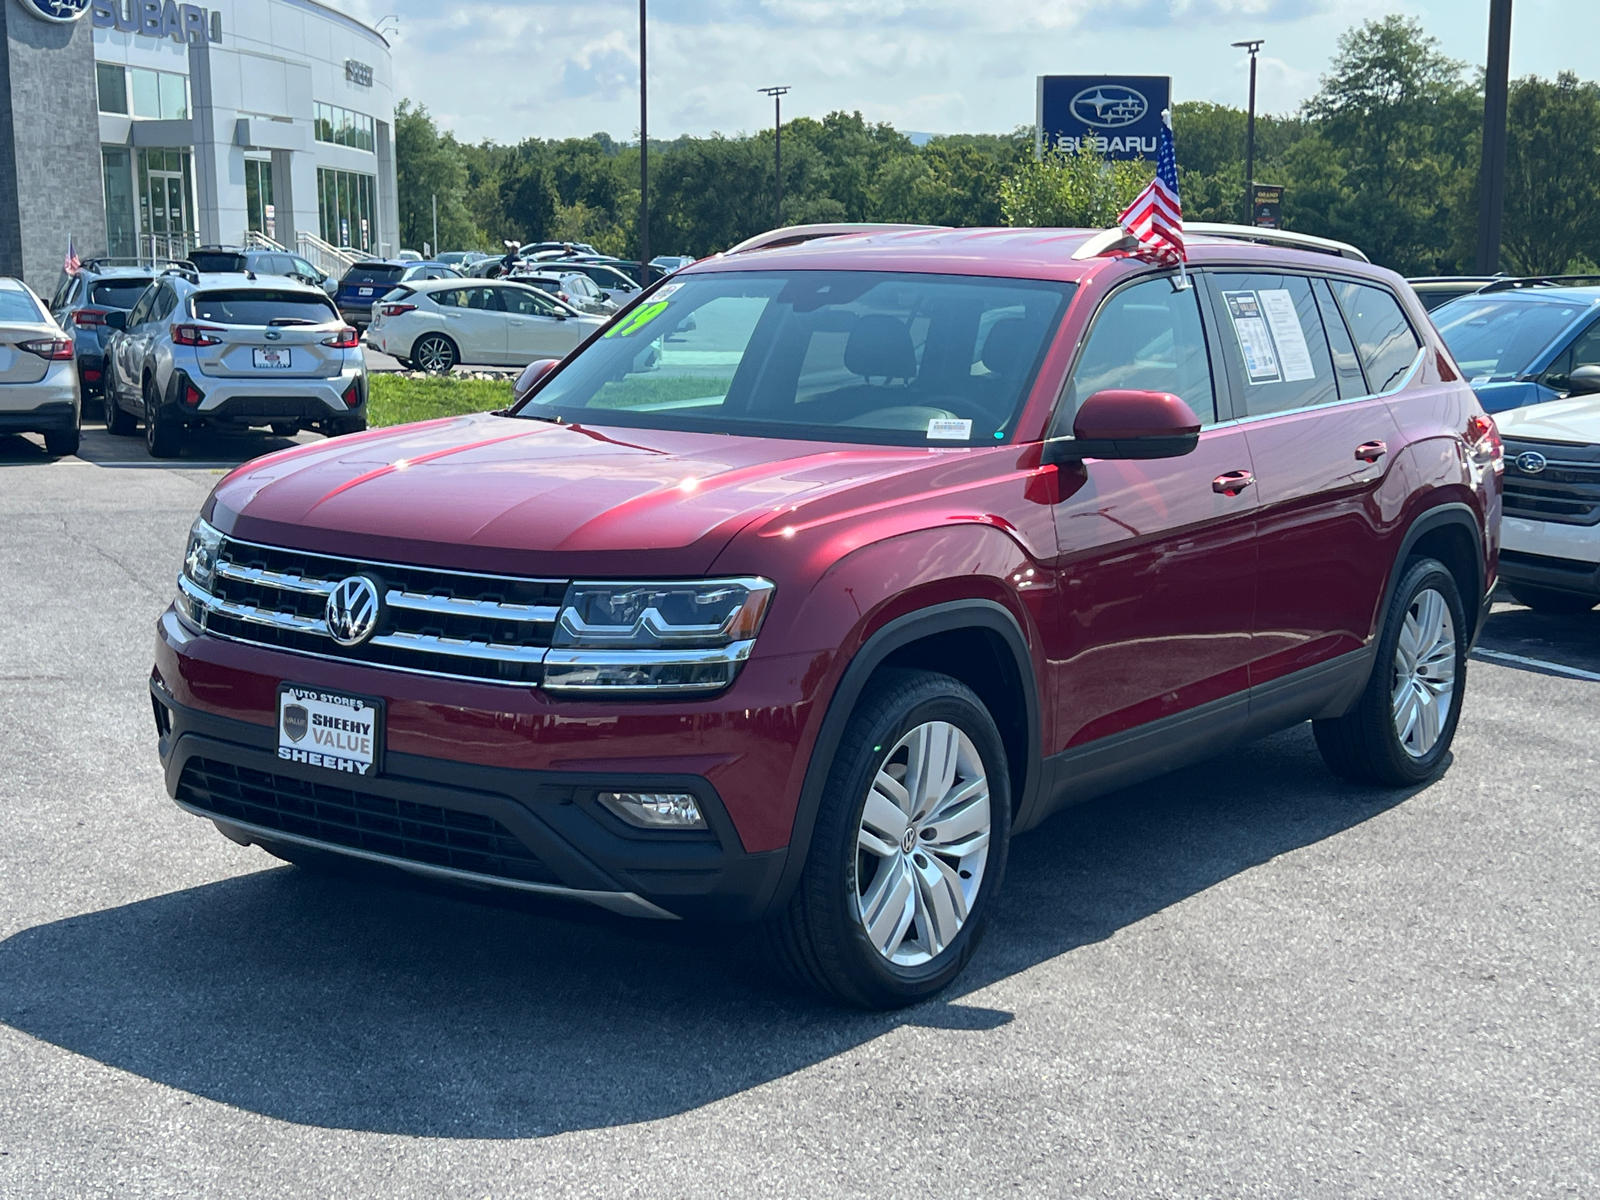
x=1109, y=106
x=57, y=10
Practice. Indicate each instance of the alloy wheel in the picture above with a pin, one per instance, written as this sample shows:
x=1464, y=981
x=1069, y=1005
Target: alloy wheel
x=434, y=355
x=1424, y=680
x=922, y=844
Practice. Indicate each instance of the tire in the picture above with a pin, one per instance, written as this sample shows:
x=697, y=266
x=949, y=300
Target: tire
x=1398, y=735
x=435, y=354
x=284, y=428
x=118, y=420
x=405, y=363
x=163, y=437
x=821, y=938
x=63, y=442
x=1550, y=601
x=348, y=425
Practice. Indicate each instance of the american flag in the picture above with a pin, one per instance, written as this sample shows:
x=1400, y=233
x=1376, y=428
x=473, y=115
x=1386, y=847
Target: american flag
x=71, y=266
x=1155, y=217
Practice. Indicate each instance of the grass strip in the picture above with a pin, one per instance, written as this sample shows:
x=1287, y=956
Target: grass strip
x=397, y=400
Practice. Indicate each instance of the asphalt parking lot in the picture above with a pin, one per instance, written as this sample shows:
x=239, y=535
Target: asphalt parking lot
x=1244, y=979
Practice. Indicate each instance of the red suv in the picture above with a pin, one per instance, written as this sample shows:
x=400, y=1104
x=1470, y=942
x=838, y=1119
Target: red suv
x=825, y=567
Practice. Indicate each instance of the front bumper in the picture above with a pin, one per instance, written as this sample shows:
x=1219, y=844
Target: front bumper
x=1556, y=574
x=521, y=817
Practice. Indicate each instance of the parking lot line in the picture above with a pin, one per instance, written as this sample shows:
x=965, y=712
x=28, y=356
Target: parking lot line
x=1541, y=664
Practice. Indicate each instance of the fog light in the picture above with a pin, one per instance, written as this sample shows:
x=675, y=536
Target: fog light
x=654, y=810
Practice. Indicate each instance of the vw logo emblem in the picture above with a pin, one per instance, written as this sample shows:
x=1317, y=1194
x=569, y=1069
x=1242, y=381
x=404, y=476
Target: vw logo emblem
x=57, y=10
x=1532, y=462
x=1109, y=106
x=353, y=610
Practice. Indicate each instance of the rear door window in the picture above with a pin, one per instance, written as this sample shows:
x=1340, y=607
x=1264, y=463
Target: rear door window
x=1273, y=342
x=261, y=306
x=482, y=298
x=528, y=303
x=1346, y=363
x=1384, y=338
x=1150, y=338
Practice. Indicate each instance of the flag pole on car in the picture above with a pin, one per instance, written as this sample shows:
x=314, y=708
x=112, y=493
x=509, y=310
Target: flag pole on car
x=1155, y=218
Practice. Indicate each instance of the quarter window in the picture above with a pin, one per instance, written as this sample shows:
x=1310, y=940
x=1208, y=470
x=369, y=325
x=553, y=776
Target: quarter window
x=1147, y=337
x=1273, y=343
x=1384, y=338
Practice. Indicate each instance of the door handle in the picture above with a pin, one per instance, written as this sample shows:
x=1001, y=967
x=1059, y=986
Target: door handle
x=1371, y=452
x=1231, y=483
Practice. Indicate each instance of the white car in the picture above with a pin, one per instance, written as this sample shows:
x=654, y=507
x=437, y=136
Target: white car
x=569, y=287
x=1550, y=532
x=436, y=323
x=38, y=379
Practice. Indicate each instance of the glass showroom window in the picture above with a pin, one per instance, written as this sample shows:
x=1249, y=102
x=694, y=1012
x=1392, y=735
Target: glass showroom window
x=122, y=231
x=156, y=95
x=347, y=200
x=344, y=127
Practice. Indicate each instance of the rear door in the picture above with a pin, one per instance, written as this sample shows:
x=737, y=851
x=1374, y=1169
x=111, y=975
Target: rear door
x=1321, y=442
x=475, y=321
x=1158, y=563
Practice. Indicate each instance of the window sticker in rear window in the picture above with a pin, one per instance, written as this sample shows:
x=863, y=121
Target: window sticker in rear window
x=1255, y=339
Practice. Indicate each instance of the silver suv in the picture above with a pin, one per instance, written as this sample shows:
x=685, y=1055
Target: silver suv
x=232, y=351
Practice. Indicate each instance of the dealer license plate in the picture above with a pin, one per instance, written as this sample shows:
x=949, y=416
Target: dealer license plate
x=363, y=291
x=332, y=730
x=272, y=358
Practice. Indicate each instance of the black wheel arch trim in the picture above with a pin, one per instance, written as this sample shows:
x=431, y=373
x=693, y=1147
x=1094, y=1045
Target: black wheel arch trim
x=902, y=631
x=1439, y=517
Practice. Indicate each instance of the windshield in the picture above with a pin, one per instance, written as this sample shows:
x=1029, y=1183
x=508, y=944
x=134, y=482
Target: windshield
x=118, y=293
x=258, y=306
x=374, y=273
x=845, y=356
x=1500, y=336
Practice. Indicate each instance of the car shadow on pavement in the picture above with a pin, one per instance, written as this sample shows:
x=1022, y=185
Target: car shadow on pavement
x=1568, y=639
x=329, y=1002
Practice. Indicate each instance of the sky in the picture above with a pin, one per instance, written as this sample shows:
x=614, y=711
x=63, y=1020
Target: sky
x=510, y=69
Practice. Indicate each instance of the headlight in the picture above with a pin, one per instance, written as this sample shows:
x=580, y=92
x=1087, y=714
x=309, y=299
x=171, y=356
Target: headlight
x=655, y=637
x=199, y=566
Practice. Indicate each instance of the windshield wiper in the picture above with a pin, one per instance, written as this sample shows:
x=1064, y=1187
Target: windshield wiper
x=293, y=321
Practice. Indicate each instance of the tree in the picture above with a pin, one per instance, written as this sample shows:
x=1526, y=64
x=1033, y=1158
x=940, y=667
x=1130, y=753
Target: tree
x=1552, y=208
x=428, y=165
x=1073, y=191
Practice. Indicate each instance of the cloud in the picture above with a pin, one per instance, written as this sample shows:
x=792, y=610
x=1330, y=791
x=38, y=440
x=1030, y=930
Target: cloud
x=604, y=66
x=1147, y=14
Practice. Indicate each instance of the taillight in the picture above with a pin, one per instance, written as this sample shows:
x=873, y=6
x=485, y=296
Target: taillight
x=85, y=317
x=52, y=349
x=347, y=338
x=196, y=335
x=394, y=310
x=1484, y=438
x=352, y=396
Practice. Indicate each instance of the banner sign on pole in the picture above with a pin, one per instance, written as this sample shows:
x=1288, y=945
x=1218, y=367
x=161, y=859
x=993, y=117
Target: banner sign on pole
x=1118, y=115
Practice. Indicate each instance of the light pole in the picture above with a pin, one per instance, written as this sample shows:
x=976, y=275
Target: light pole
x=1252, y=46
x=644, y=161
x=436, y=224
x=1491, y=202
x=777, y=94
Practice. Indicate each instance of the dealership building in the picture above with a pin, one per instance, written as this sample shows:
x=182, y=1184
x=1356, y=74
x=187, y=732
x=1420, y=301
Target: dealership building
x=139, y=129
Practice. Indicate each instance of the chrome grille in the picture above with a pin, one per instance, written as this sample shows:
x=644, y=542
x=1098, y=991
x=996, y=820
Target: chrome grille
x=492, y=628
x=1566, y=491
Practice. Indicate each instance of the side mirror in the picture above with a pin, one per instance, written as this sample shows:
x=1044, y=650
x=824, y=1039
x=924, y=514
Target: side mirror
x=117, y=319
x=530, y=377
x=1584, y=381
x=1123, y=423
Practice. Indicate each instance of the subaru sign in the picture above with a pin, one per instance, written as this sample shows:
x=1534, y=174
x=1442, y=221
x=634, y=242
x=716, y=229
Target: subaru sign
x=1117, y=115
x=57, y=10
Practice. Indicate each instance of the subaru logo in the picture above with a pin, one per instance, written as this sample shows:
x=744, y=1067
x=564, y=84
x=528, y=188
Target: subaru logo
x=273, y=335
x=353, y=610
x=1532, y=462
x=1109, y=106
x=57, y=10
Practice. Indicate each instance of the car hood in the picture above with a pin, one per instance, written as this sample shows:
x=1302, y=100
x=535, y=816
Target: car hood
x=525, y=497
x=1575, y=419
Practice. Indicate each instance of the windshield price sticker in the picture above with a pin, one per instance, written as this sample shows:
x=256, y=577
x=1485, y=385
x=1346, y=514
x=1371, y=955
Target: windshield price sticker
x=330, y=730
x=1288, y=334
x=1255, y=339
x=949, y=429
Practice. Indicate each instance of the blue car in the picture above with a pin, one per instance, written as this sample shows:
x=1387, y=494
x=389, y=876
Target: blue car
x=366, y=282
x=1525, y=346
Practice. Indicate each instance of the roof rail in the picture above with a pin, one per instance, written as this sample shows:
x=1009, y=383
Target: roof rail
x=1513, y=283
x=1276, y=237
x=794, y=235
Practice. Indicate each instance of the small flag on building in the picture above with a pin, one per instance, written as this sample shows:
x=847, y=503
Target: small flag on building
x=71, y=266
x=1155, y=217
